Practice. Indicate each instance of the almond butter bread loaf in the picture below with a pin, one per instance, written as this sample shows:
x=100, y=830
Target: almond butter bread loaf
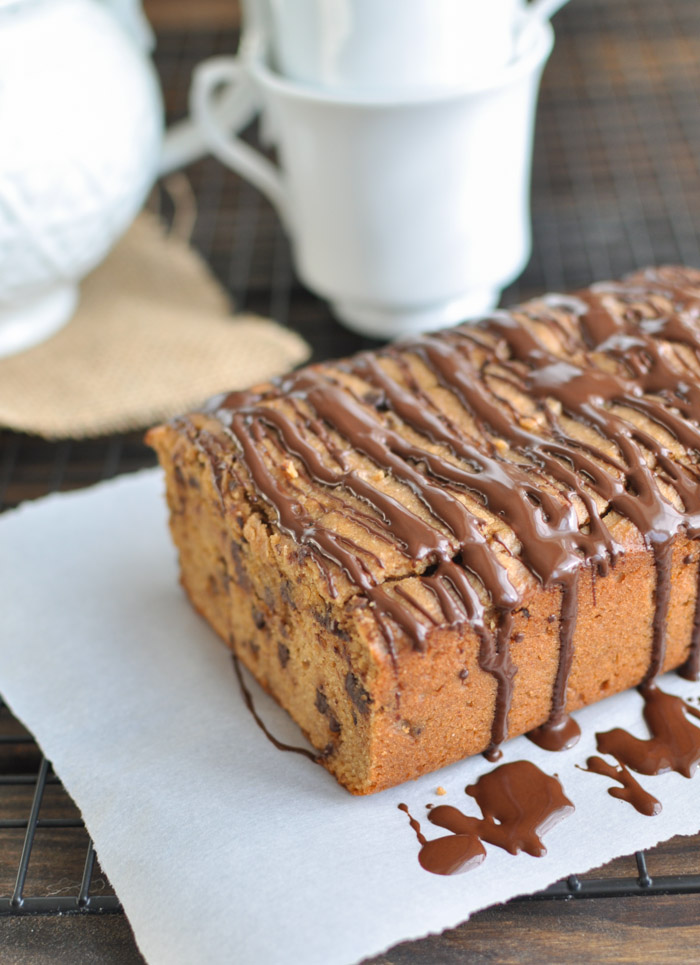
x=461, y=537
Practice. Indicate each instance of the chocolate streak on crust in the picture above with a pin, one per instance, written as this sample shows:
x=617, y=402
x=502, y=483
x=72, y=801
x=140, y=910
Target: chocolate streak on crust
x=691, y=668
x=615, y=359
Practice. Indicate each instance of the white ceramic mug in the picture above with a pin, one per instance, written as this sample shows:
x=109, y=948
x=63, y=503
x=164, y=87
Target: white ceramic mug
x=406, y=215
x=399, y=46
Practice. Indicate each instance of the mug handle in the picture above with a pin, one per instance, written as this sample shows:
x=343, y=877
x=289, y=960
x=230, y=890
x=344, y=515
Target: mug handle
x=230, y=150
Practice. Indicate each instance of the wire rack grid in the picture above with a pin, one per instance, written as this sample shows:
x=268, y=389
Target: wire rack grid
x=616, y=185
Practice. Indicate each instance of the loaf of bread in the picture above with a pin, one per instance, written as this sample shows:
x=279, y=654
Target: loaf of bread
x=462, y=537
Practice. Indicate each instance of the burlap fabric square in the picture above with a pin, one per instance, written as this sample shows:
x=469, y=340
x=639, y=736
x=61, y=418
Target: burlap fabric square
x=153, y=336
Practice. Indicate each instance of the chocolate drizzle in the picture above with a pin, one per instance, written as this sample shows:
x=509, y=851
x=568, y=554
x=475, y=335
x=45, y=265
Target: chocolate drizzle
x=280, y=745
x=561, y=731
x=519, y=804
x=486, y=453
x=631, y=790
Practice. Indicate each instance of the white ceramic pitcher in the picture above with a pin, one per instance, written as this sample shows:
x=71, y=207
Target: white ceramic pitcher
x=82, y=120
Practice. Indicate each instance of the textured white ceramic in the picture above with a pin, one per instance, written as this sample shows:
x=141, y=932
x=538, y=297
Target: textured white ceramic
x=397, y=46
x=81, y=119
x=406, y=215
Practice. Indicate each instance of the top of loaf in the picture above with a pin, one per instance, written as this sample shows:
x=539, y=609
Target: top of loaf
x=442, y=476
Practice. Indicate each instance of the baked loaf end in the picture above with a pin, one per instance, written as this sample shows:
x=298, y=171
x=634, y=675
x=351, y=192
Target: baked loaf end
x=462, y=537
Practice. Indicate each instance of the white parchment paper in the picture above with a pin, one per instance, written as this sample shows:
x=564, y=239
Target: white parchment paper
x=221, y=848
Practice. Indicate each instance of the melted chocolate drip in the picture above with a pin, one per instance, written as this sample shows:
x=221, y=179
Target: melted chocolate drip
x=519, y=804
x=674, y=744
x=675, y=741
x=550, y=479
x=561, y=731
x=280, y=745
x=558, y=734
x=451, y=855
x=631, y=790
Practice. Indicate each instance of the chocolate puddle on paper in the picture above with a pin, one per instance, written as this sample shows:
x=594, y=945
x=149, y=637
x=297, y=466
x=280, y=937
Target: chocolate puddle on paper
x=674, y=744
x=631, y=790
x=519, y=803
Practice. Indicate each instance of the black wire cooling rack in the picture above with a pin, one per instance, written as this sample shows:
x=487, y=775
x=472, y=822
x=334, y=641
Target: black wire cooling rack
x=616, y=185
x=93, y=893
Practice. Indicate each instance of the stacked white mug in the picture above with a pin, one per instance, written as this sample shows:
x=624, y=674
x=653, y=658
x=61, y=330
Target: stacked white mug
x=403, y=131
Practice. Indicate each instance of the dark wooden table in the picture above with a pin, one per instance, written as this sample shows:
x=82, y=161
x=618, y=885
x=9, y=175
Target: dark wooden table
x=616, y=185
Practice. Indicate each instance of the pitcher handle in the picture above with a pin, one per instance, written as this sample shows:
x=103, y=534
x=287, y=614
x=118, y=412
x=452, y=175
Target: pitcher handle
x=229, y=149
